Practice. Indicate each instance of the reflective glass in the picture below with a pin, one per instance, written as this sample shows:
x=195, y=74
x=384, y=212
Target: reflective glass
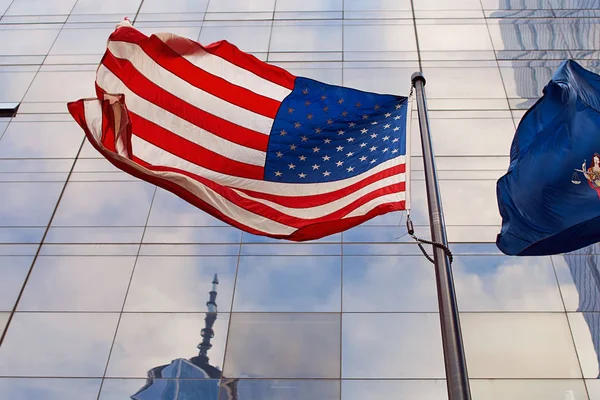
x=582, y=34
x=147, y=341
x=36, y=140
x=171, y=210
x=192, y=235
x=443, y=5
x=50, y=86
x=440, y=37
x=579, y=278
x=13, y=270
x=28, y=204
x=77, y=284
x=4, y=4
x=241, y=6
x=470, y=202
x=575, y=4
x=526, y=79
x=49, y=388
x=378, y=77
x=173, y=6
x=104, y=204
x=283, y=345
x=390, y=389
x=107, y=7
x=528, y=389
x=286, y=284
x=306, y=36
x=406, y=345
x=251, y=37
x=378, y=5
x=379, y=37
x=586, y=334
x=308, y=5
x=71, y=345
x=260, y=389
x=510, y=345
x=163, y=388
x=527, y=34
x=119, y=389
x=499, y=283
x=593, y=387
x=39, y=7
x=81, y=41
x=3, y=320
x=13, y=85
x=180, y=284
x=449, y=82
x=14, y=41
x=515, y=4
x=384, y=284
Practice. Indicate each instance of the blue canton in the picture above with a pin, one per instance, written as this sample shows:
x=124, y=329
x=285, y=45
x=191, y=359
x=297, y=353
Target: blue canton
x=325, y=133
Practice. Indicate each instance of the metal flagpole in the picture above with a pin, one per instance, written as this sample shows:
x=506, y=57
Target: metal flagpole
x=457, y=379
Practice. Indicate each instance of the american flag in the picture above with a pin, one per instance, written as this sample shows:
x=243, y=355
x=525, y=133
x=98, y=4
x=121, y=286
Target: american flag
x=268, y=152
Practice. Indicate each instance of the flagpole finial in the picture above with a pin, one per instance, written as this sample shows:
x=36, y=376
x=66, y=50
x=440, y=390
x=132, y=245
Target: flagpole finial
x=418, y=76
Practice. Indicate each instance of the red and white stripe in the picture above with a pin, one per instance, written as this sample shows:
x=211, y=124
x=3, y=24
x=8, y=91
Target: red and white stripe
x=199, y=120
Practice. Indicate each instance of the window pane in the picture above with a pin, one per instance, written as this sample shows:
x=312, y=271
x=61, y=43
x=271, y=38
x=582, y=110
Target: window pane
x=49, y=388
x=28, y=41
x=519, y=346
x=579, y=278
x=249, y=37
x=286, y=284
x=3, y=320
x=147, y=341
x=13, y=270
x=586, y=333
x=283, y=345
x=261, y=389
x=308, y=5
x=306, y=36
x=528, y=389
x=37, y=140
x=73, y=345
x=179, y=284
x=106, y=7
x=392, y=346
x=173, y=6
x=389, y=389
x=28, y=204
x=39, y=7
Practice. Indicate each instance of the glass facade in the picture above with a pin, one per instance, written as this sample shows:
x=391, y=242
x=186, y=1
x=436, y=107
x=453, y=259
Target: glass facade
x=111, y=288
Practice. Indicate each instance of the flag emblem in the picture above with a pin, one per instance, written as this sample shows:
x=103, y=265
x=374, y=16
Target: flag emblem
x=248, y=142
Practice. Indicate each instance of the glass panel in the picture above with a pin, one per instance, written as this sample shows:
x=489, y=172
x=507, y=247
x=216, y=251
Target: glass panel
x=405, y=389
x=291, y=249
x=519, y=346
x=3, y=320
x=308, y=5
x=147, y=341
x=107, y=7
x=372, y=38
x=28, y=204
x=586, y=333
x=170, y=210
x=73, y=345
x=13, y=85
x=492, y=283
x=39, y=7
x=443, y=5
x=392, y=346
x=283, y=345
x=160, y=388
x=192, y=235
x=104, y=204
x=528, y=389
x=179, y=284
x=579, y=278
x=527, y=34
x=286, y=284
x=49, y=86
x=379, y=284
x=379, y=5
x=49, y=388
x=449, y=82
x=77, y=284
x=306, y=36
x=31, y=41
x=593, y=387
x=260, y=389
x=526, y=79
x=241, y=6
x=515, y=4
x=453, y=37
x=13, y=270
x=81, y=41
x=251, y=37
x=470, y=202
x=4, y=4
x=173, y=6
x=37, y=140
x=582, y=34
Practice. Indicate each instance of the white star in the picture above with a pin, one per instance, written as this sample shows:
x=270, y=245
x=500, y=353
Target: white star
x=316, y=149
x=292, y=147
x=302, y=175
x=340, y=148
x=397, y=117
x=373, y=148
x=327, y=141
x=373, y=161
x=396, y=129
x=363, y=158
x=386, y=126
x=351, y=124
x=349, y=154
x=277, y=173
x=291, y=166
x=398, y=106
x=283, y=132
x=385, y=138
x=339, y=163
x=365, y=116
x=394, y=151
x=350, y=139
x=388, y=115
x=315, y=167
x=279, y=154
x=318, y=130
x=395, y=140
x=374, y=123
x=350, y=169
x=302, y=158
x=304, y=138
x=326, y=173
x=384, y=150
x=363, y=144
x=364, y=130
x=326, y=158
x=297, y=125
x=341, y=132
x=373, y=136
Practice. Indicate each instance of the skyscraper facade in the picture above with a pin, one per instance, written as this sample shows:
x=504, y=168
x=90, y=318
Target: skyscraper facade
x=111, y=288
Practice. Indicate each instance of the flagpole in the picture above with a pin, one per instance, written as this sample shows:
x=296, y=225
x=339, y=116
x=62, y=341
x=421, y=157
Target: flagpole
x=457, y=379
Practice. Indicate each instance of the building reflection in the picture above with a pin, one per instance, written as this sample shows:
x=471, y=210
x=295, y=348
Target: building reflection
x=194, y=378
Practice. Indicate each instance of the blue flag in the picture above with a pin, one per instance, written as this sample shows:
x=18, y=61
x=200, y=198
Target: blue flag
x=549, y=199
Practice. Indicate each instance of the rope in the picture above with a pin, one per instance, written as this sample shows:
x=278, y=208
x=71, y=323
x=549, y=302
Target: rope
x=411, y=232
